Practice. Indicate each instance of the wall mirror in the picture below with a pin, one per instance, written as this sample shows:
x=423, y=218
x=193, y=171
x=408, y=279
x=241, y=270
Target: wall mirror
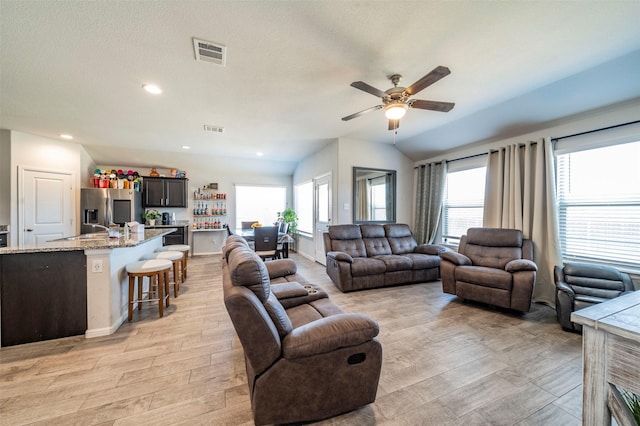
x=374, y=195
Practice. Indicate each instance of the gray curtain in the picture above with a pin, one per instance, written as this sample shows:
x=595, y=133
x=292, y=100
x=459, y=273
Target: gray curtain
x=520, y=194
x=388, y=195
x=429, y=192
x=363, y=211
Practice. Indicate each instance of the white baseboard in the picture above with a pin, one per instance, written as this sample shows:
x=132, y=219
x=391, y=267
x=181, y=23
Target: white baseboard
x=105, y=331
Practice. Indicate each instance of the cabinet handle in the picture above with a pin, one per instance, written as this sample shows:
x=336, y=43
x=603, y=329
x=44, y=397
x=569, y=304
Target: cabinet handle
x=29, y=230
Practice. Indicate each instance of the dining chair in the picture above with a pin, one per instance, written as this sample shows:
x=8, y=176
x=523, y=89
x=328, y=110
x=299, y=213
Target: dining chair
x=266, y=242
x=283, y=227
x=283, y=243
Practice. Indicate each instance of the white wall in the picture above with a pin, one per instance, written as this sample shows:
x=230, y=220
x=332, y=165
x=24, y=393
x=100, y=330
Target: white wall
x=43, y=153
x=339, y=158
x=318, y=164
x=356, y=153
x=596, y=119
x=5, y=177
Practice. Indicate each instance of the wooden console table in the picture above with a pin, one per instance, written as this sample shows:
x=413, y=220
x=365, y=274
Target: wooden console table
x=610, y=356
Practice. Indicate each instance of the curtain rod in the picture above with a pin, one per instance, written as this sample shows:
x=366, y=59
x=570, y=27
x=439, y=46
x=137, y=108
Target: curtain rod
x=595, y=130
x=552, y=139
x=456, y=159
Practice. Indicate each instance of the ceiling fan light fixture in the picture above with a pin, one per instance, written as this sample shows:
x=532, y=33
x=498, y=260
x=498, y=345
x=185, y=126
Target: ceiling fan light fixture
x=396, y=110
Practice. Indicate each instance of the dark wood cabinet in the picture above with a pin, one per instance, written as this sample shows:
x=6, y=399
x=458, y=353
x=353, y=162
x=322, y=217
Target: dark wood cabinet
x=164, y=192
x=177, y=237
x=43, y=296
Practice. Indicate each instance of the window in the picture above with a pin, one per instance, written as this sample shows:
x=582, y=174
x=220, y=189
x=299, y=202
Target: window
x=378, y=197
x=463, y=202
x=303, y=205
x=261, y=203
x=598, y=192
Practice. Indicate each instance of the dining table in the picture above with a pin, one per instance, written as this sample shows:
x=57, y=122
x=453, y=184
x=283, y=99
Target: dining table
x=283, y=238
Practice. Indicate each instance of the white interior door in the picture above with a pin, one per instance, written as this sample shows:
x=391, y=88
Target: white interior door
x=47, y=204
x=322, y=216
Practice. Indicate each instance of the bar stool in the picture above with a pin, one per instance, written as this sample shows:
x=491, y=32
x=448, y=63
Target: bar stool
x=157, y=270
x=185, y=254
x=176, y=258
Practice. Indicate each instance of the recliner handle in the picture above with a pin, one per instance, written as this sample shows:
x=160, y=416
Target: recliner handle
x=357, y=358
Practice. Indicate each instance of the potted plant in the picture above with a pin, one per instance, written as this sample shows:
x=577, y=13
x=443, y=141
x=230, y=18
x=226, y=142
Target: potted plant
x=633, y=403
x=150, y=216
x=289, y=216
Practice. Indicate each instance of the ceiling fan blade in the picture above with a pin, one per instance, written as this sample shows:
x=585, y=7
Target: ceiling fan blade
x=435, y=75
x=369, y=89
x=432, y=105
x=364, y=111
x=394, y=124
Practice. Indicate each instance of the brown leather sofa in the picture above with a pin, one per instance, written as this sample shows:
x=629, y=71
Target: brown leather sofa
x=369, y=256
x=493, y=266
x=306, y=359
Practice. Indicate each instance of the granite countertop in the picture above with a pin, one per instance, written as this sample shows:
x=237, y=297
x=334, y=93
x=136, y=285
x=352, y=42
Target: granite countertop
x=99, y=242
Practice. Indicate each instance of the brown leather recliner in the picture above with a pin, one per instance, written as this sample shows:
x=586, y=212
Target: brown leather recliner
x=493, y=266
x=306, y=361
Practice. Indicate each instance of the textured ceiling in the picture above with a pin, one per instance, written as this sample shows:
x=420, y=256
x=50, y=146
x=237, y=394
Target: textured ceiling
x=77, y=67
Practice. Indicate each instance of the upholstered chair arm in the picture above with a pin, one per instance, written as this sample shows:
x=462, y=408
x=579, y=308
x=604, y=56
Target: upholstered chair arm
x=281, y=268
x=455, y=258
x=520, y=265
x=434, y=249
x=328, y=334
x=565, y=288
x=339, y=255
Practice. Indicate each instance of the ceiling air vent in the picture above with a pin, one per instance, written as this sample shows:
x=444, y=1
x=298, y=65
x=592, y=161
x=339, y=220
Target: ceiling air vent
x=208, y=51
x=214, y=129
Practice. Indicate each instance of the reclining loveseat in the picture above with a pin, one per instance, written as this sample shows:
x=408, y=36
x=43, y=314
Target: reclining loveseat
x=306, y=359
x=369, y=256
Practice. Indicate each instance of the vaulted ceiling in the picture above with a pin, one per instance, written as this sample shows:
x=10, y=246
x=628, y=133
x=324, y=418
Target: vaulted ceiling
x=77, y=67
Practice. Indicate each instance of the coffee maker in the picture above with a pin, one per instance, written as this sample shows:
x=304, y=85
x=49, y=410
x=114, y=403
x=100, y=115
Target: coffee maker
x=166, y=218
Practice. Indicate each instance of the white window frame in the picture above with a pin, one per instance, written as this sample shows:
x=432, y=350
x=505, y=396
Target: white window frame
x=622, y=252
x=304, y=212
x=265, y=213
x=475, y=162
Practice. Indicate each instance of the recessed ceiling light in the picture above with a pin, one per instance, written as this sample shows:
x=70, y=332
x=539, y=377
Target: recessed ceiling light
x=151, y=88
x=65, y=136
x=259, y=154
x=186, y=147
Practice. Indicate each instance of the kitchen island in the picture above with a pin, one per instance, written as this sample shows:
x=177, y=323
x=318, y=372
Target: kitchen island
x=69, y=287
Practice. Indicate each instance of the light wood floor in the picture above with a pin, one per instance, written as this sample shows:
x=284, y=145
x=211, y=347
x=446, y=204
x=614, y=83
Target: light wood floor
x=445, y=363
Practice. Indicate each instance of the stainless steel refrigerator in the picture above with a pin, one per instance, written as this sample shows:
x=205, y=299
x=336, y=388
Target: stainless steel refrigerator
x=104, y=206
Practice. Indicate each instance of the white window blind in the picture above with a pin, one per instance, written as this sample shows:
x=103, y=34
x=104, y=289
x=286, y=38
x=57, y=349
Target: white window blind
x=463, y=203
x=598, y=192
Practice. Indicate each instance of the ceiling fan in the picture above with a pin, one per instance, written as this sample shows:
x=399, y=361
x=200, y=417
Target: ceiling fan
x=396, y=101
